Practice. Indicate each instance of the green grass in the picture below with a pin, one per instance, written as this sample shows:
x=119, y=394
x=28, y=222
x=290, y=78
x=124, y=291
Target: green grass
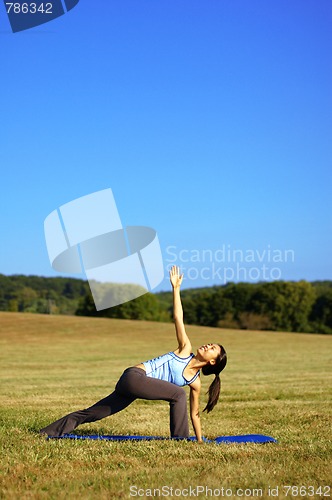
x=277, y=384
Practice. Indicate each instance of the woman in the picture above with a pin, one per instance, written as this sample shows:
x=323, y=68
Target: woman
x=160, y=379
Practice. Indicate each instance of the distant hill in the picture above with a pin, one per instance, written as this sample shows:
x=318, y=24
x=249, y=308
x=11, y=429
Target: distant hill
x=280, y=305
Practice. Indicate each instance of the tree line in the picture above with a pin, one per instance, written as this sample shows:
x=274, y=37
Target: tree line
x=300, y=306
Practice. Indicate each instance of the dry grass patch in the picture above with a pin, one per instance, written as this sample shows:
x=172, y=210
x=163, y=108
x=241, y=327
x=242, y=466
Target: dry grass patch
x=275, y=383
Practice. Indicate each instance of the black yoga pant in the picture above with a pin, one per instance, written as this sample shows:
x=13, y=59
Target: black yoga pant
x=133, y=384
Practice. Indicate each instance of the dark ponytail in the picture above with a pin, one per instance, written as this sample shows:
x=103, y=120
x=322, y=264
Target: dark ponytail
x=214, y=389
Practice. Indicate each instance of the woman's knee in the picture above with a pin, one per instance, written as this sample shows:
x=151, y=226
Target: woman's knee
x=180, y=395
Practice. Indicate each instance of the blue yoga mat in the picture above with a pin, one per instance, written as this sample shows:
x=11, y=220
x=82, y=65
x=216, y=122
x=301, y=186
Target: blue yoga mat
x=247, y=438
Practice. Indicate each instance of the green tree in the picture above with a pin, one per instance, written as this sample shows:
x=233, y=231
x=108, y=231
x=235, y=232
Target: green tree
x=26, y=297
x=321, y=313
x=287, y=304
x=145, y=307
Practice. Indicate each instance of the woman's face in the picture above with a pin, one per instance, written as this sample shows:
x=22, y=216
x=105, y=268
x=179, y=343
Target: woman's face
x=208, y=352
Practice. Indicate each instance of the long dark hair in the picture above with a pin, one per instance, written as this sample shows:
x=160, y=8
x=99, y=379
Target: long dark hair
x=214, y=389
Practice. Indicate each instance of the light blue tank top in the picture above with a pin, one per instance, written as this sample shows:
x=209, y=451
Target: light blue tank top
x=169, y=367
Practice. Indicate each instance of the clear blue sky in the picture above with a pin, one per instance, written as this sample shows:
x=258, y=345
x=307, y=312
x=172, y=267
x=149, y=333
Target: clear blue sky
x=210, y=121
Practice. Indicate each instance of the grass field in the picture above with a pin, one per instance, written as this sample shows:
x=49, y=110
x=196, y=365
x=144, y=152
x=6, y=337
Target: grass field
x=277, y=384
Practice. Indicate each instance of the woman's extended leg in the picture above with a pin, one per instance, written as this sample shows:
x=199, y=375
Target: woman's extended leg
x=105, y=407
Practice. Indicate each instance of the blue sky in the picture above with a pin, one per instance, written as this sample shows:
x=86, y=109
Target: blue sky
x=210, y=121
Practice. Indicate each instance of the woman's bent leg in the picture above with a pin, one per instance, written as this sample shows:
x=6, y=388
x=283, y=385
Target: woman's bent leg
x=136, y=383
x=178, y=414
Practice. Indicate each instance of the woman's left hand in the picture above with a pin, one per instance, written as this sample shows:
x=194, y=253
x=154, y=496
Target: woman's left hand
x=175, y=277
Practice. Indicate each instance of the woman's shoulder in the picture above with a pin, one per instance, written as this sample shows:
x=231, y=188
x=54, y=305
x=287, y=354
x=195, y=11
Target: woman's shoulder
x=183, y=353
x=196, y=384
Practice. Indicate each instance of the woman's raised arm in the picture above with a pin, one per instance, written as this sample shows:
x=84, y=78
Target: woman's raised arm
x=184, y=345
